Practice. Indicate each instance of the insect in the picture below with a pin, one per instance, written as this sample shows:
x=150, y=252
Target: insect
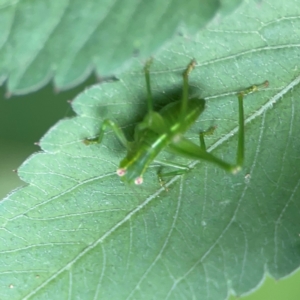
x=164, y=130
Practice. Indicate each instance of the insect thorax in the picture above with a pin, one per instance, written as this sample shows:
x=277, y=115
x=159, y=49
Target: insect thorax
x=155, y=133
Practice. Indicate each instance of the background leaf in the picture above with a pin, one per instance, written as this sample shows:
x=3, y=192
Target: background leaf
x=76, y=229
x=69, y=39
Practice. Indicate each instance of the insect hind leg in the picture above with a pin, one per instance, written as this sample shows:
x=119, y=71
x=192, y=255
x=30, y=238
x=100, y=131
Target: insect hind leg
x=185, y=147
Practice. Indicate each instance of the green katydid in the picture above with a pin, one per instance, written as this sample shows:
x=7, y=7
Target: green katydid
x=164, y=130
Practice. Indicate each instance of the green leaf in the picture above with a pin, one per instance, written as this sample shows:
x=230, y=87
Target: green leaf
x=76, y=231
x=68, y=39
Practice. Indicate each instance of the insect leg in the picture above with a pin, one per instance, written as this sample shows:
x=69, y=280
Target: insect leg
x=209, y=131
x=161, y=176
x=115, y=128
x=181, y=169
x=241, y=140
x=171, y=164
x=187, y=148
x=172, y=173
x=148, y=84
x=185, y=94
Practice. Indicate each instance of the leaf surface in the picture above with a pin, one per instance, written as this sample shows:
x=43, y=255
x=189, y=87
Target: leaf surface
x=67, y=40
x=78, y=230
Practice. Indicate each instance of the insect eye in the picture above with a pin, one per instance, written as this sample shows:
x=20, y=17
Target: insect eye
x=121, y=172
x=138, y=180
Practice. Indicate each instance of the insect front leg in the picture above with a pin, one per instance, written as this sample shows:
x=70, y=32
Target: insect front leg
x=114, y=127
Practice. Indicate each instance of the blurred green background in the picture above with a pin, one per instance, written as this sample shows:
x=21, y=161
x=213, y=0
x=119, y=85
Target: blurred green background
x=25, y=119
